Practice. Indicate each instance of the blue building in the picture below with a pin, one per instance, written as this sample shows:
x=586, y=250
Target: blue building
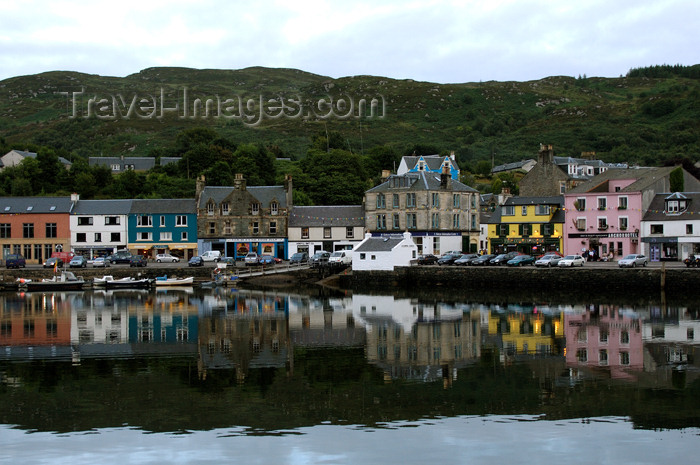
x=158, y=226
x=429, y=164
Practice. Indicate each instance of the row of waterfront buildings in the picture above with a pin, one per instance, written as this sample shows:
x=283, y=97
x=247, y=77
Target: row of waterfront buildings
x=615, y=212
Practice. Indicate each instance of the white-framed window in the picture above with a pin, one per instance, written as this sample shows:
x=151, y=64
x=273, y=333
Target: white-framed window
x=112, y=221
x=162, y=221
x=225, y=208
x=144, y=236
x=602, y=203
x=255, y=208
x=523, y=210
x=181, y=220
x=304, y=233
x=508, y=210
x=349, y=232
x=580, y=204
x=166, y=236
x=622, y=203
x=326, y=232
x=542, y=210
x=144, y=220
x=183, y=236
x=602, y=223
x=84, y=220
x=210, y=208
x=274, y=208
x=624, y=223
x=98, y=237
x=581, y=224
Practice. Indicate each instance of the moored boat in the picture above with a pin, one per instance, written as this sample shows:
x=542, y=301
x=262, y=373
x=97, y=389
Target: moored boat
x=162, y=281
x=109, y=282
x=65, y=281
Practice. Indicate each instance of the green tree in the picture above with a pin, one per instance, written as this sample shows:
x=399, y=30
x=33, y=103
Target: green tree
x=334, y=178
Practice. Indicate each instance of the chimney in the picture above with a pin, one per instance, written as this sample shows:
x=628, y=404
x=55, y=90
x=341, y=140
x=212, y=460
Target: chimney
x=74, y=197
x=288, y=190
x=452, y=155
x=200, y=185
x=588, y=155
x=239, y=182
x=546, y=155
x=385, y=175
x=445, y=177
x=505, y=191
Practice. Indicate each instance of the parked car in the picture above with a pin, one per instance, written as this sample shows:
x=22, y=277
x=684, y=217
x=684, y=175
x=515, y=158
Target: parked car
x=53, y=262
x=548, y=260
x=340, y=257
x=15, y=260
x=166, y=257
x=266, y=260
x=138, y=261
x=122, y=256
x=502, y=259
x=521, y=260
x=692, y=261
x=229, y=261
x=632, y=260
x=427, y=259
x=465, y=259
x=571, y=260
x=482, y=260
x=448, y=259
x=451, y=252
x=100, y=262
x=251, y=259
x=78, y=262
x=195, y=261
x=211, y=256
x=320, y=258
x=299, y=257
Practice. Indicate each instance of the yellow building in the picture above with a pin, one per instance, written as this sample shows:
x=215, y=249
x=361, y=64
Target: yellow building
x=530, y=225
x=527, y=334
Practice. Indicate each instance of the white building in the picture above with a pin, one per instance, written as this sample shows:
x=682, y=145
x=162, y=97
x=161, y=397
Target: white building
x=99, y=227
x=384, y=253
x=670, y=228
x=329, y=228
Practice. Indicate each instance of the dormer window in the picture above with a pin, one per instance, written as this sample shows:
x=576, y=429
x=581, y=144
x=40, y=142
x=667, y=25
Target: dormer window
x=255, y=208
x=210, y=208
x=675, y=206
x=225, y=208
x=274, y=208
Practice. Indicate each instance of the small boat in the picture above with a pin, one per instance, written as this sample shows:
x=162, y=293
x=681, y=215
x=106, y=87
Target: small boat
x=109, y=282
x=162, y=281
x=65, y=281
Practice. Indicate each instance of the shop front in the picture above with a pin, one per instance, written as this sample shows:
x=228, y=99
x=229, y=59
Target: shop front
x=612, y=245
x=239, y=248
x=662, y=249
x=528, y=246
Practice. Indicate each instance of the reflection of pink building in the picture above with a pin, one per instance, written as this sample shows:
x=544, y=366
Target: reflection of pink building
x=605, y=213
x=602, y=337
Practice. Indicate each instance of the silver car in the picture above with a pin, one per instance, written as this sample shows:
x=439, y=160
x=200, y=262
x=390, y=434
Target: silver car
x=548, y=260
x=632, y=260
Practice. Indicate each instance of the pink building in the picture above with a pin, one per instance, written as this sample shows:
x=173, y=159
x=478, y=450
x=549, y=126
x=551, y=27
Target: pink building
x=604, y=214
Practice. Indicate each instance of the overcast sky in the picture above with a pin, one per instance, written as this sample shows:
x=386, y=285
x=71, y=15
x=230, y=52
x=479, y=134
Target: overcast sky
x=445, y=42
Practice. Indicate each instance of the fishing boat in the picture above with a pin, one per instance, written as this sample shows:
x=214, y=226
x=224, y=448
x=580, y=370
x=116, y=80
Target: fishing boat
x=64, y=281
x=108, y=282
x=163, y=281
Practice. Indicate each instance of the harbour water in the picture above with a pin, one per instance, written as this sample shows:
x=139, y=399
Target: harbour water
x=200, y=376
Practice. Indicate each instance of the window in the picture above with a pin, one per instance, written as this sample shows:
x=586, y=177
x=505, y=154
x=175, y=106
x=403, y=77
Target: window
x=455, y=200
x=580, y=204
x=181, y=220
x=98, y=237
x=362, y=256
x=624, y=358
x=212, y=227
x=112, y=221
x=144, y=236
x=84, y=220
x=622, y=203
x=395, y=202
x=623, y=223
x=381, y=221
x=602, y=223
x=411, y=200
x=603, y=337
x=582, y=355
x=542, y=210
x=210, y=208
x=162, y=221
x=525, y=230
x=562, y=187
x=256, y=227
x=255, y=209
x=410, y=221
x=326, y=232
x=581, y=224
x=183, y=236
x=657, y=228
x=395, y=221
x=349, y=232
x=508, y=210
x=672, y=206
x=473, y=222
x=602, y=203
x=689, y=229
x=166, y=236
x=227, y=227
x=144, y=220
x=381, y=201
x=225, y=208
x=473, y=200
x=503, y=229
x=603, y=356
x=51, y=230
x=274, y=208
x=28, y=230
x=624, y=337
x=690, y=334
x=273, y=227
x=435, y=220
x=455, y=221
x=523, y=210
x=81, y=237
x=115, y=237
x=436, y=200
x=304, y=233
x=547, y=229
x=5, y=230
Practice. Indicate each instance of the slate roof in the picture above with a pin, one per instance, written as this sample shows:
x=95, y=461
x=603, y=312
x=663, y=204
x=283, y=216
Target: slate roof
x=174, y=206
x=264, y=194
x=511, y=166
x=9, y=205
x=657, y=207
x=555, y=200
x=419, y=181
x=140, y=163
x=379, y=244
x=433, y=162
x=333, y=215
x=102, y=207
x=33, y=155
x=644, y=177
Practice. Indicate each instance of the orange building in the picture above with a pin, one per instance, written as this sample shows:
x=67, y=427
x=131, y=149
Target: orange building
x=35, y=227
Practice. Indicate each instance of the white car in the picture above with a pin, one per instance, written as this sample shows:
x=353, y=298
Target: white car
x=572, y=260
x=632, y=260
x=166, y=257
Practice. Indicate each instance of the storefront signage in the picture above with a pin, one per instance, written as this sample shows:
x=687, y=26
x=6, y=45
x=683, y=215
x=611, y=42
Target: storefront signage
x=603, y=235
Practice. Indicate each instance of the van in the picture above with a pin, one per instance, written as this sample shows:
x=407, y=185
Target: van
x=15, y=261
x=211, y=256
x=341, y=257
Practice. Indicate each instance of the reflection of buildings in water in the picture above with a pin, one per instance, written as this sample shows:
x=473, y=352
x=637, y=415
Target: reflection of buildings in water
x=34, y=324
x=527, y=333
x=605, y=338
x=317, y=321
x=253, y=332
x=671, y=344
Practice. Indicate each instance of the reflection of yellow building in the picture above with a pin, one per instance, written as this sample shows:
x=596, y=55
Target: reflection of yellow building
x=526, y=333
x=530, y=225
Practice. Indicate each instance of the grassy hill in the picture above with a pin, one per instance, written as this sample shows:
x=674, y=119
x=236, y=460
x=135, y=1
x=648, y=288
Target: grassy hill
x=634, y=118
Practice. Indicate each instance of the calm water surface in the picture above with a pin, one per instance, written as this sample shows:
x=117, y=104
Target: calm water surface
x=192, y=376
